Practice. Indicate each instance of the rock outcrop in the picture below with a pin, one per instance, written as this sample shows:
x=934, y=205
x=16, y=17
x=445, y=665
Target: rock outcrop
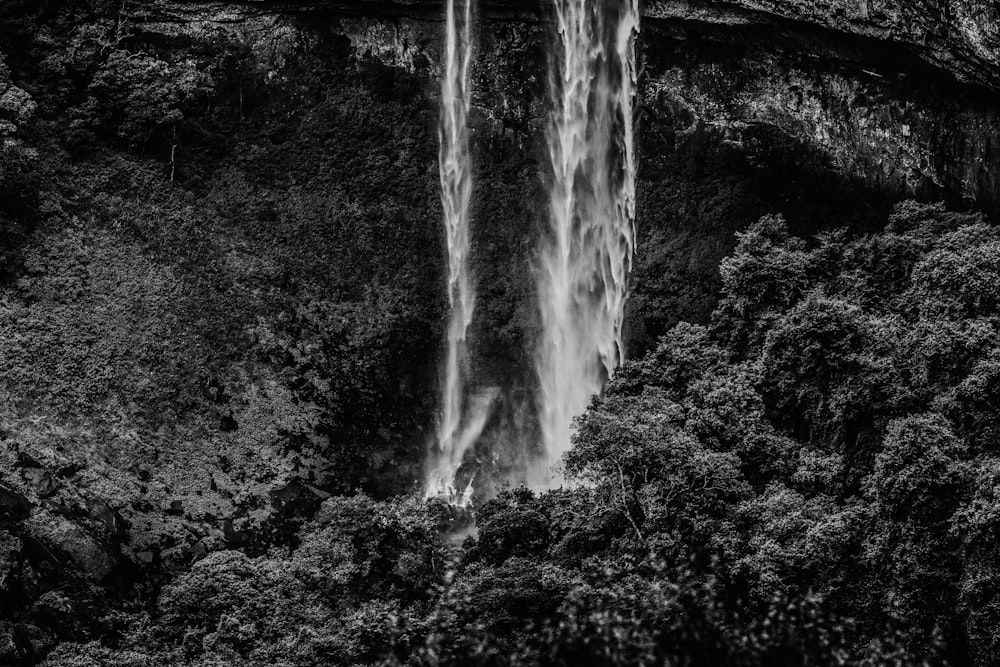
x=961, y=37
x=899, y=94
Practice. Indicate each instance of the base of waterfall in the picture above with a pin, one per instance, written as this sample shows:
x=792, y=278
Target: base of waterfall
x=439, y=488
x=448, y=458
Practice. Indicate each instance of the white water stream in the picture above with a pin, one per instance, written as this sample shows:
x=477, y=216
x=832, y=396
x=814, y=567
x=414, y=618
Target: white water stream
x=462, y=417
x=586, y=259
x=586, y=256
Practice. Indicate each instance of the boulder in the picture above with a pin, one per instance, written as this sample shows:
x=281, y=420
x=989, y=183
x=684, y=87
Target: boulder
x=66, y=540
x=14, y=505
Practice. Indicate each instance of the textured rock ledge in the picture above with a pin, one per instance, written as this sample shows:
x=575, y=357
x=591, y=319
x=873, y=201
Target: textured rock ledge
x=899, y=94
x=960, y=36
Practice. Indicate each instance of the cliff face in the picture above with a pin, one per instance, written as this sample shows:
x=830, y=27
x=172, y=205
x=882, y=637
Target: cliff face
x=903, y=98
x=959, y=36
x=900, y=95
x=825, y=112
x=269, y=110
x=222, y=262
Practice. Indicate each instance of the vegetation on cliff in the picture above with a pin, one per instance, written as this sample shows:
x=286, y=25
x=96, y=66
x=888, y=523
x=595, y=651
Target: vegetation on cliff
x=207, y=323
x=808, y=480
x=220, y=310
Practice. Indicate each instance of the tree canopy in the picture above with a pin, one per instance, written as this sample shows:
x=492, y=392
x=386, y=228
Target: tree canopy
x=810, y=479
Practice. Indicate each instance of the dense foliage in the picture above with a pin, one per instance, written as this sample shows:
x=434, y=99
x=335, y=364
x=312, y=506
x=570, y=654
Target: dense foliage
x=206, y=326
x=809, y=480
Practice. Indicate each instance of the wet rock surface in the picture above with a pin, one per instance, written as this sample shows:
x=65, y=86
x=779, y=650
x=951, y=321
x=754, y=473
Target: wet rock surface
x=901, y=95
x=961, y=36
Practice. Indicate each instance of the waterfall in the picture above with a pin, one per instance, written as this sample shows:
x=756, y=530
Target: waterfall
x=586, y=258
x=586, y=255
x=462, y=417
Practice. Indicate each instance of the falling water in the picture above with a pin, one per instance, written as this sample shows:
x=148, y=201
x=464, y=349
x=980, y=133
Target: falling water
x=586, y=259
x=462, y=417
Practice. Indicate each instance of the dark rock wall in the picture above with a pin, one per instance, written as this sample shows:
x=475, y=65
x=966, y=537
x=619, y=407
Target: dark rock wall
x=872, y=101
x=959, y=36
x=824, y=126
x=824, y=112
